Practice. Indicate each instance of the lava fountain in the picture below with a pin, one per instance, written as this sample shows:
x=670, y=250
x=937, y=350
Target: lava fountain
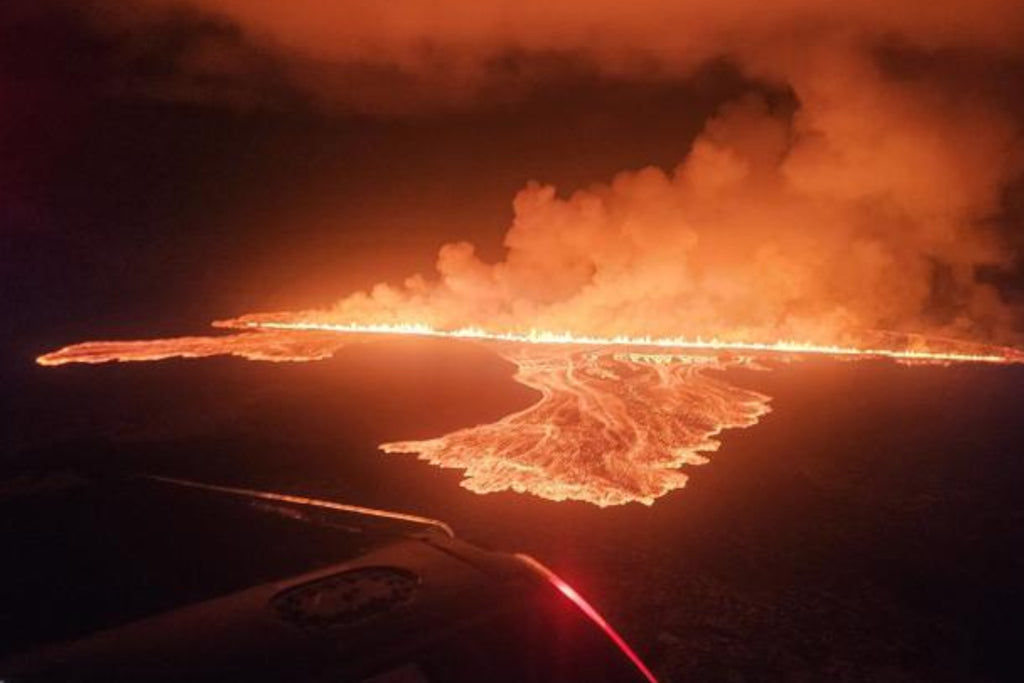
x=617, y=419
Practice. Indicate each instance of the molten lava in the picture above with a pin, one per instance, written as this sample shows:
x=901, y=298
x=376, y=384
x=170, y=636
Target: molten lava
x=277, y=346
x=929, y=351
x=608, y=429
x=617, y=418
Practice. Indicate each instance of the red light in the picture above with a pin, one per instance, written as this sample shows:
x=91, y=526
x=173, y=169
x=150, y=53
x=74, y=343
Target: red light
x=588, y=609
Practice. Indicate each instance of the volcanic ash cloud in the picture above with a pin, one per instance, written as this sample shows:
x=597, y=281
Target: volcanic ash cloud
x=857, y=186
x=844, y=214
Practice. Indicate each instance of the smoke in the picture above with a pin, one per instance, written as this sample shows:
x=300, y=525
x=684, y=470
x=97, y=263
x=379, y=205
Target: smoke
x=868, y=199
x=407, y=53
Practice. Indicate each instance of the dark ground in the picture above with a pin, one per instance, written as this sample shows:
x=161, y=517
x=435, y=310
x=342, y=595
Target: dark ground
x=868, y=529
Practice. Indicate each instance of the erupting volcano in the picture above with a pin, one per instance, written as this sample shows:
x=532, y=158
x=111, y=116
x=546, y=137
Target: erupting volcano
x=616, y=420
x=851, y=184
x=623, y=303
x=716, y=307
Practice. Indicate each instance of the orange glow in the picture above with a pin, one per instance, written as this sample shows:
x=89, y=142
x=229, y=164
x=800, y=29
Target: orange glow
x=608, y=428
x=262, y=345
x=305, y=501
x=617, y=420
x=591, y=613
x=545, y=337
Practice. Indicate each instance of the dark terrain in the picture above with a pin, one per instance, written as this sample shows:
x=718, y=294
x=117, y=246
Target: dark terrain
x=871, y=528
x=868, y=529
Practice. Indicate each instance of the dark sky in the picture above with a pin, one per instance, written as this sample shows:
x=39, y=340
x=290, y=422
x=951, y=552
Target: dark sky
x=142, y=195
x=126, y=213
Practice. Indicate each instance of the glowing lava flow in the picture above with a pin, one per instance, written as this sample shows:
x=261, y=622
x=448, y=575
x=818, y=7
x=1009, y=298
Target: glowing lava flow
x=608, y=428
x=612, y=425
x=277, y=346
x=984, y=354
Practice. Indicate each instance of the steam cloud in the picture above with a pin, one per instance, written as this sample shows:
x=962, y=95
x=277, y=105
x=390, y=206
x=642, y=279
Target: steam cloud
x=867, y=200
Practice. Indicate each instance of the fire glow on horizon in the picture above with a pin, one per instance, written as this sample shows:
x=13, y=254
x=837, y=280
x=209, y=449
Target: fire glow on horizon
x=617, y=418
x=545, y=337
x=855, y=177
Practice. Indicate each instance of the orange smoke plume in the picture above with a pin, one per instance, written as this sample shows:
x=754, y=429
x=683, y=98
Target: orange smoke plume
x=816, y=225
x=866, y=199
x=856, y=188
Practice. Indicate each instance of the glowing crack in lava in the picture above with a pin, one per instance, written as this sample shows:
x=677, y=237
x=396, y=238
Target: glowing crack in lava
x=616, y=420
x=265, y=345
x=609, y=428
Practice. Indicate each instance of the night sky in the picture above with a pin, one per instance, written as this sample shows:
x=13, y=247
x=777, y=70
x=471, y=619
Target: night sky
x=129, y=214
x=168, y=163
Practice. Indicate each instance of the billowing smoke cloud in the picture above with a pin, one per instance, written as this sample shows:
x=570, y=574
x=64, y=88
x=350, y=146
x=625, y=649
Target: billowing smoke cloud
x=370, y=54
x=868, y=201
x=842, y=216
